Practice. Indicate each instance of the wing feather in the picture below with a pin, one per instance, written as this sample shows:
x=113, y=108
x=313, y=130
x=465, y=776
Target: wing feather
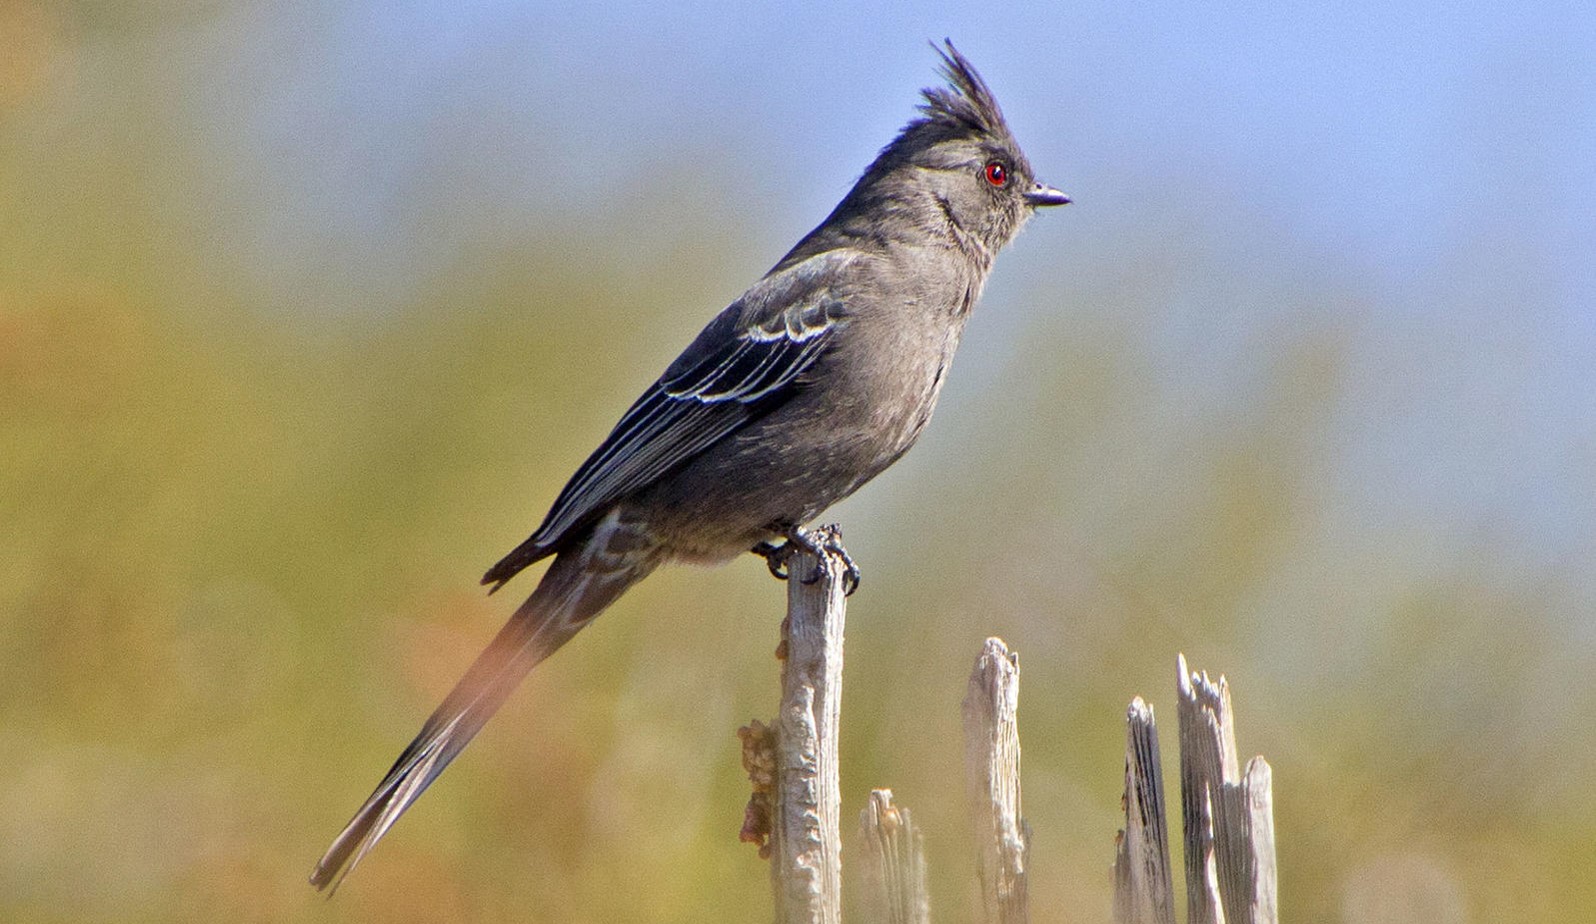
x=675, y=420
x=716, y=387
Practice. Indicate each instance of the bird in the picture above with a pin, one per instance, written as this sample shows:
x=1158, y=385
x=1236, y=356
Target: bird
x=811, y=383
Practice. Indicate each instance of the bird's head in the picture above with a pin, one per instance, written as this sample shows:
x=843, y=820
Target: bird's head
x=957, y=166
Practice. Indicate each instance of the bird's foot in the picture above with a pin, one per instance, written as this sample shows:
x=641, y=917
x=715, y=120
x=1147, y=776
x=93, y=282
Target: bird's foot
x=776, y=556
x=817, y=543
x=851, y=575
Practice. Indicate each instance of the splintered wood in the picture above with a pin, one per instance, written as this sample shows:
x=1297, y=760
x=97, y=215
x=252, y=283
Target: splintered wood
x=1227, y=817
x=892, y=857
x=1143, y=892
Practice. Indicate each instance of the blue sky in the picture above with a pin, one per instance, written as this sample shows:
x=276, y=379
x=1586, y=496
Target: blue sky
x=1385, y=133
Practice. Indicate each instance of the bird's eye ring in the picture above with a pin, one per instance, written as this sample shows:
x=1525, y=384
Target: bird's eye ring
x=996, y=174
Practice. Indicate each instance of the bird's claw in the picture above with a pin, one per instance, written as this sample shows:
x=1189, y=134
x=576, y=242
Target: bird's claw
x=817, y=543
x=776, y=557
x=851, y=575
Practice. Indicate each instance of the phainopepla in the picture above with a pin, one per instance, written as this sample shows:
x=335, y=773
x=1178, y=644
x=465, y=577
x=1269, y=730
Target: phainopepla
x=805, y=388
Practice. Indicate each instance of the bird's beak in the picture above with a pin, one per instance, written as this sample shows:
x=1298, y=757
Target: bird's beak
x=1042, y=194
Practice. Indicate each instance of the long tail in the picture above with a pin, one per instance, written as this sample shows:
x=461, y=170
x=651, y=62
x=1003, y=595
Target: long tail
x=577, y=587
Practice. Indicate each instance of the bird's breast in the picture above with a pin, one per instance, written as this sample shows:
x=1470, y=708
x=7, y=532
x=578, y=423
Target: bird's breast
x=902, y=377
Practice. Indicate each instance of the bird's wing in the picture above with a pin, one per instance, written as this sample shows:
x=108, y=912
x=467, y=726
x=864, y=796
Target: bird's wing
x=740, y=367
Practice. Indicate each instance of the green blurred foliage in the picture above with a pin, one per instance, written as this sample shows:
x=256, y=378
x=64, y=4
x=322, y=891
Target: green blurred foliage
x=241, y=543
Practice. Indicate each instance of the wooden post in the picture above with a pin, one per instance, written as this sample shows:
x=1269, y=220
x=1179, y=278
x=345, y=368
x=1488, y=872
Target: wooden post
x=1229, y=821
x=806, y=851
x=1144, y=891
x=992, y=764
x=892, y=856
x=1259, y=799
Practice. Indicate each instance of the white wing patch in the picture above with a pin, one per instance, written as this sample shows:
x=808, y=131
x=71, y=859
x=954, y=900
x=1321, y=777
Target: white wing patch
x=684, y=414
x=762, y=360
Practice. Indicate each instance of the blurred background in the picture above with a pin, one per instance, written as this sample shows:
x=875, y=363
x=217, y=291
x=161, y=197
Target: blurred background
x=307, y=309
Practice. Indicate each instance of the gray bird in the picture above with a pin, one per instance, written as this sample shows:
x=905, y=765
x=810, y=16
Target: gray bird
x=809, y=385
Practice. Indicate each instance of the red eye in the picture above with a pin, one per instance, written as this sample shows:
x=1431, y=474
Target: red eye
x=997, y=174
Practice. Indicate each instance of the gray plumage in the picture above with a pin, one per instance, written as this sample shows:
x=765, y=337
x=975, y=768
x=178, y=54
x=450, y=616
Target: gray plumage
x=809, y=385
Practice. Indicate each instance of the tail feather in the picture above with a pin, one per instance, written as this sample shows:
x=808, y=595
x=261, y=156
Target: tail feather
x=567, y=599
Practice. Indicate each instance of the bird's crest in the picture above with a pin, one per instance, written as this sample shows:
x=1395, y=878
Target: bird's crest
x=966, y=103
